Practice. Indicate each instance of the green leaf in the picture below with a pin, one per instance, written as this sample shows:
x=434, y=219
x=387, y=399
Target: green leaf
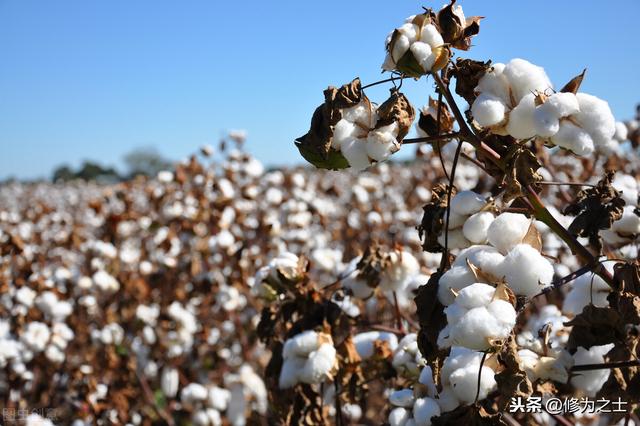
x=334, y=160
x=408, y=65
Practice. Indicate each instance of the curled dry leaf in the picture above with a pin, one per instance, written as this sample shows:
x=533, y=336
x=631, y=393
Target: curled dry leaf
x=457, y=30
x=396, y=109
x=428, y=120
x=468, y=73
x=434, y=218
x=594, y=327
x=574, y=84
x=512, y=380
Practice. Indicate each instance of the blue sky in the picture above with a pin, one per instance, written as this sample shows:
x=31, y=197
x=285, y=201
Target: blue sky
x=95, y=79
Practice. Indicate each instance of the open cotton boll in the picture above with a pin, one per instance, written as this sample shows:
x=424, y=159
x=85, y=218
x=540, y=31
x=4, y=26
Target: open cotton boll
x=475, y=228
x=290, y=372
x=399, y=416
x=301, y=344
x=488, y=110
x=403, y=265
x=521, y=124
x=343, y=131
x=596, y=118
x=455, y=220
x=475, y=320
x=560, y=105
x=400, y=47
x=507, y=230
x=363, y=114
x=466, y=203
x=464, y=382
x=546, y=122
x=628, y=185
x=455, y=239
x=574, y=138
x=526, y=271
x=590, y=382
x=358, y=287
x=526, y=78
x=586, y=289
x=495, y=83
x=447, y=399
x=364, y=342
x=355, y=151
x=410, y=30
x=628, y=225
x=426, y=378
x=407, y=358
x=402, y=398
x=455, y=279
x=381, y=143
x=422, y=53
x=319, y=364
x=424, y=409
x=431, y=36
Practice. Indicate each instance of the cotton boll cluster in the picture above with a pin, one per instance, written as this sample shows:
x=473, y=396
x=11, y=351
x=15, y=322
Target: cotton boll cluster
x=590, y=382
x=514, y=99
x=468, y=222
x=459, y=379
x=477, y=319
x=309, y=357
x=415, y=47
x=407, y=359
x=550, y=321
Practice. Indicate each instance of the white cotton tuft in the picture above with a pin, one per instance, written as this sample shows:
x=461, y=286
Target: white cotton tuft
x=526, y=271
x=622, y=133
x=590, y=382
x=574, y=138
x=596, y=118
x=410, y=31
x=476, y=227
x=422, y=53
x=343, y=131
x=319, y=364
x=475, y=296
x=464, y=382
x=526, y=78
x=488, y=110
x=521, y=123
x=381, y=143
x=400, y=47
x=561, y=104
x=431, y=36
x=495, y=83
x=424, y=409
x=546, y=122
x=290, y=372
x=586, y=289
x=402, y=398
x=301, y=344
x=364, y=342
x=426, y=378
x=399, y=416
x=467, y=203
x=508, y=230
x=452, y=281
x=355, y=151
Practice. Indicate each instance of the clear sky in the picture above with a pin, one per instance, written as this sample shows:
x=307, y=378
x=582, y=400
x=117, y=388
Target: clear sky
x=95, y=79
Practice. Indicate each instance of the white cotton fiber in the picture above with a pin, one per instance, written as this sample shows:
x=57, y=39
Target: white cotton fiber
x=355, y=151
x=521, y=123
x=590, y=382
x=381, y=144
x=410, y=30
x=454, y=279
x=526, y=78
x=455, y=239
x=467, y=203
x=546, y=123
x=526, y=271
x=495, y=83
x=586, y=289
x=364, y=342
x=574, y=138
x=622, y=133
x=399, y=416
x=464, y=382
x=319, y=364
x=290, y=372
x=475, y=296
x=596, y=118
x=343, y=131
x=426, y=378
x=402, y=398
x=447, y=399
x=488, y=110
x=400, y=47
x=424, y=409
x=455, y=220
x=629, y=224
x=508, y=230
x=476, y=227
x=561, y=104
x=431, y=36
x=422, y=53
x=301, y=344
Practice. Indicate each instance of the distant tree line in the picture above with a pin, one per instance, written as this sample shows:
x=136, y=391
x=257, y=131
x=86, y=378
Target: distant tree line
x=140, y=162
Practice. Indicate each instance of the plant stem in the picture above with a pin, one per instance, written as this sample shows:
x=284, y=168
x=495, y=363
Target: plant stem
x=606, y=365
x=430, y=138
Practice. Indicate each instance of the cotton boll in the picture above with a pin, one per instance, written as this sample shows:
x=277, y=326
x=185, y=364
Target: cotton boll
x=521, y=123
x=343, y=131
x=586, y=289
x=361, y=113
x=319, y=364
x=431, y=36
x=628, y=185
x=508, y=230
x=424, y=409
x=455, y=239
x=290, y=372
x=546, y=123
x=455, y=279
x=422, y=53
x=464, y=382
x=475, y=296
x=574, y=138
x=364, y=342
x=426, y=378
x=301, y=344
x=495, y=83
x=169, y=381
x=455, y=220
x=488, y=110
x=359, y=288
x=447, y=400
x=590, y=382
x=622, y=132
x=410, y=31
x=381, y=143
x=596, y=118
x=561, y=105
x=355, y=151
x=192, y=394
x=400, y=47
x=399, y=417
x=526, y=271
x=476, y=227
x=627, y=226
x=474, y=330
x=402, y=398
x=466, y=203
x=526, y=78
